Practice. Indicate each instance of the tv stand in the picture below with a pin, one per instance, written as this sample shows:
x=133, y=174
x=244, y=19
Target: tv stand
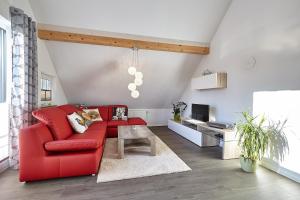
x=202, y=135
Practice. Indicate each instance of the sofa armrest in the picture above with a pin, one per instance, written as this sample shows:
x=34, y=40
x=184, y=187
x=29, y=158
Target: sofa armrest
x=33, y=154
x=71, y=145
x=32, y=140
x=136, y=121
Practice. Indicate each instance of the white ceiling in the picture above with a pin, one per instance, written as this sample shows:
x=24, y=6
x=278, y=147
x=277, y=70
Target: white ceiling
x=194, y=20
x=98, y=75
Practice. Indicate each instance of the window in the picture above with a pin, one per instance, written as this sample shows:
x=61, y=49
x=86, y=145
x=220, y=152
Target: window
x=277, y=106
x=5, y=80
x=2, y=65
x=46, y=87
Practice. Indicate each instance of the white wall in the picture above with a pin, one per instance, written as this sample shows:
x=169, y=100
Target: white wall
x=153, y=117
x=94, y=74
x=44, y=60
x=269, y=31
x=46, y=66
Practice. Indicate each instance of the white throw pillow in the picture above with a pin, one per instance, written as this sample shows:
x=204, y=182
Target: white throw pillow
x=77, y=122
x=120, y=113
x=94, y=114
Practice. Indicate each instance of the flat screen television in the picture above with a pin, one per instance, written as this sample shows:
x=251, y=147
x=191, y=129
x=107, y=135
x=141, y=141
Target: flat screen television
x=200, y=112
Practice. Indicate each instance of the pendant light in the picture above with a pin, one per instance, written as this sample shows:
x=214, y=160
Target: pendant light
x=131, y=86
x=138, y=82
x=131, y=70
x=138, y=76
x=132, y=67
x=135, y=94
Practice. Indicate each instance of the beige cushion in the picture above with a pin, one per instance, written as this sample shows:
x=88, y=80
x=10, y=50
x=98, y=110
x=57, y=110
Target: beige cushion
x=85, y=116
x=94, y=114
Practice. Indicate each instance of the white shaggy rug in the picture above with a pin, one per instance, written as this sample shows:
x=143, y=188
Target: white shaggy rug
x=135, y=165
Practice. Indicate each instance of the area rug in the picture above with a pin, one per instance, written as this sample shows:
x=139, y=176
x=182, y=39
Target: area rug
x=135, y=165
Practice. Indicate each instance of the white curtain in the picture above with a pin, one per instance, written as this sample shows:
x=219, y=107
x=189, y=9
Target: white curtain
x=24, y=94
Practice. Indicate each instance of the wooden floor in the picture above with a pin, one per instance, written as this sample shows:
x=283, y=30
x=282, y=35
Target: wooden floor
x=210, y=179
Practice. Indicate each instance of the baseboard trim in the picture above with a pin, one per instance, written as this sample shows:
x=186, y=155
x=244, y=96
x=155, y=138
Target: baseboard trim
x=4, y=164
x=158, y=124
x=272, y=165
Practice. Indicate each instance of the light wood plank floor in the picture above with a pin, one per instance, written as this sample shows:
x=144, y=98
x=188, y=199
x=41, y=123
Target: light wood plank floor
x=210, y=179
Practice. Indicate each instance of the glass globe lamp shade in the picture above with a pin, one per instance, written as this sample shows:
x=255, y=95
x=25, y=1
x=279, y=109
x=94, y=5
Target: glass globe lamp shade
x=139, y=75
x=131, y=86
x=138, y=82
x=131, y=70
x=135, y=94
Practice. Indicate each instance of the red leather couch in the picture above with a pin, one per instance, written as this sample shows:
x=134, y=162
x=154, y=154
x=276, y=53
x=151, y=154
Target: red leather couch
x=51, y=149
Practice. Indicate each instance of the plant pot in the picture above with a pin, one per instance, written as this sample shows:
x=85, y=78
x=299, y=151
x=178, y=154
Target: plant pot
x=177, y=117
x=248, y=165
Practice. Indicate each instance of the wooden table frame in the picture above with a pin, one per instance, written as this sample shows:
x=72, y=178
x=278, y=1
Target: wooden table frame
x=137, y=138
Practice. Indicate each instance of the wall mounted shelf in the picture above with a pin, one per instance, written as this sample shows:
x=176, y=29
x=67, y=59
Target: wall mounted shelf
x=211, y=81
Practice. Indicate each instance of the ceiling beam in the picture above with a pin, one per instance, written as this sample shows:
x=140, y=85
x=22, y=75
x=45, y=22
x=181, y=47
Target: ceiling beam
x=120, y=42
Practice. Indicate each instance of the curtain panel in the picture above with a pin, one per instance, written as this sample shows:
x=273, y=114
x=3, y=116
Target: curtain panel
x=24, y=91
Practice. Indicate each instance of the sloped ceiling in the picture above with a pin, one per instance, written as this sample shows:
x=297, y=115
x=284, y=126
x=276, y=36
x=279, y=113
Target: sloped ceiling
x=98, y=74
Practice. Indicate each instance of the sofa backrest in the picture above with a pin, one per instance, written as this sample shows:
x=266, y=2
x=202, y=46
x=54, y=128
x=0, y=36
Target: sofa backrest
x=56, y=120
x=69, y=109
x=106, y=112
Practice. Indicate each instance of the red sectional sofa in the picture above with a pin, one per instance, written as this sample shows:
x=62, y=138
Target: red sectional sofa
x=51, y=149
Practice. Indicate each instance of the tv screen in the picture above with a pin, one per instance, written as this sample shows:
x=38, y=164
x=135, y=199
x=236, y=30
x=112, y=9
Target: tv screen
x=200, y=112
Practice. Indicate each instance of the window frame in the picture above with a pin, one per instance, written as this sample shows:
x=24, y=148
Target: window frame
x=48, y=90
x=6, y=26
x=3, y=65
x=4, y=105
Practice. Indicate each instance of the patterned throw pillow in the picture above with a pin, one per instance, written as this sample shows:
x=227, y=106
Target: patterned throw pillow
x=77, y=122
x=94, y=114
x=86, y=117
x=120, y=113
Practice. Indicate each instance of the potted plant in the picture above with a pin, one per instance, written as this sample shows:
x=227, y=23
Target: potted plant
x=177, y=109
x=255, y=136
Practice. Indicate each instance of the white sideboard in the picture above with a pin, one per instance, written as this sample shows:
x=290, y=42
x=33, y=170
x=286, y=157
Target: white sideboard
x=202, y=135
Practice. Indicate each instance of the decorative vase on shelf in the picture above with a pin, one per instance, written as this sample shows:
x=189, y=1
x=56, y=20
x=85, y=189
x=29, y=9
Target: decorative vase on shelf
x=178, y=108
x=177, y=117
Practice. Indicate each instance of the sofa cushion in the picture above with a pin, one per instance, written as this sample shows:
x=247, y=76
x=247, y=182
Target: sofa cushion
x=56, y=120
x=69, y=109
x=136, y=121
x=96, y=134
x=120, y=113
x=97, y=125
x=94, y=114
x=86, y=117
x=110, y=110
x=71, y=145
x=103, y=111
x=77, y=123
x=115, y=123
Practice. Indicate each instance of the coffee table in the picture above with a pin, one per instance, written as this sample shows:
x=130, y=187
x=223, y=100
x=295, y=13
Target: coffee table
x=137, y=138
